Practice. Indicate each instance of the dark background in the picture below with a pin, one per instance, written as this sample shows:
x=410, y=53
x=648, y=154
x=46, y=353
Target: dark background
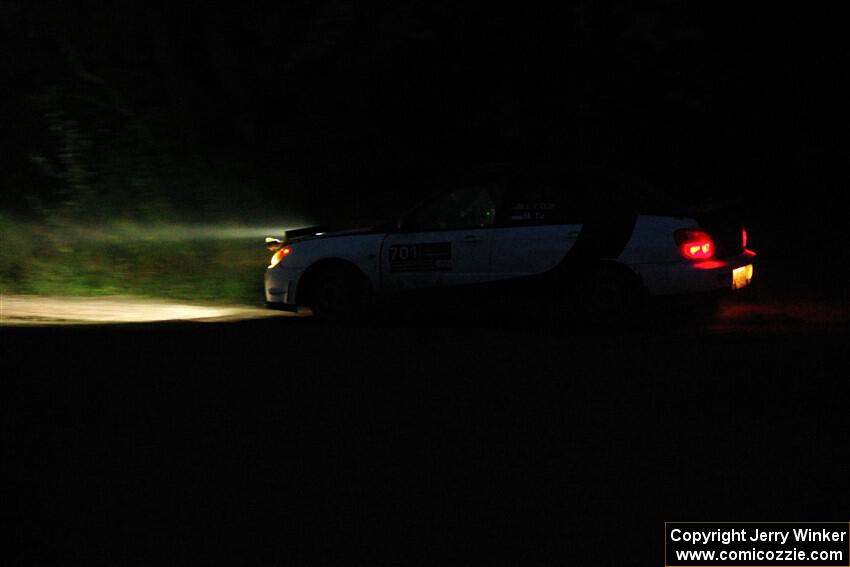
x=290, y=441
x=351, y=113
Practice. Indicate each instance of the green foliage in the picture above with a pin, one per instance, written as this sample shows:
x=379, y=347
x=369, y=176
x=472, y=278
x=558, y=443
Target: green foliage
x=99, y=184
x=66, y=259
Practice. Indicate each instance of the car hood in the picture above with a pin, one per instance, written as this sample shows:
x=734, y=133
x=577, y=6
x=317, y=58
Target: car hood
x=315, y=232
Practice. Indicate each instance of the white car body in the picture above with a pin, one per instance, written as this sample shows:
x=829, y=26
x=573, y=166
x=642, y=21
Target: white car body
x=397, y=259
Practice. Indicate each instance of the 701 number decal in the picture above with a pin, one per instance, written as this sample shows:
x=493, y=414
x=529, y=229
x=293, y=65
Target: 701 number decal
x=420, y=257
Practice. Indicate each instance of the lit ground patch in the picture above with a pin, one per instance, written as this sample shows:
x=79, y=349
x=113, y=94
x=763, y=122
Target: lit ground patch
x=780, y=314
x=33, y=310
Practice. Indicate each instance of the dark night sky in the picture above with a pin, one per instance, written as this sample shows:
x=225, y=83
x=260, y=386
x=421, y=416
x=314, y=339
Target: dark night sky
x=334, y=105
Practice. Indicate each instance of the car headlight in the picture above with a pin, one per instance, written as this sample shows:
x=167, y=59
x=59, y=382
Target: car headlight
x=279, y=255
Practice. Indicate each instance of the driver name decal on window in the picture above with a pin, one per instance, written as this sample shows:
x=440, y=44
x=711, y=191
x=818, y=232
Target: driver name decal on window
x=534, y=211
x=431, y=256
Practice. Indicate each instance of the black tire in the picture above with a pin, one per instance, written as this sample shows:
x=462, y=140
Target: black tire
x=337, y=293
x=606, y=294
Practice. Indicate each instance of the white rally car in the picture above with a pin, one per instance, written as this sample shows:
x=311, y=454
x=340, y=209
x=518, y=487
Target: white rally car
x=520, y=243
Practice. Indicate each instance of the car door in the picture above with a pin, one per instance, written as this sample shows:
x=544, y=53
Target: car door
x=535, y=230
x=445, y=242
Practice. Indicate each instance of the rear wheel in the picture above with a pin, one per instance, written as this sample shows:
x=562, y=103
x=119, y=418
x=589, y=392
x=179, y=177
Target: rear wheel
x=607, y=293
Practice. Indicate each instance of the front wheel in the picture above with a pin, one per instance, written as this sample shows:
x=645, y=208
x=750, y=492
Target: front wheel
x=338, y=294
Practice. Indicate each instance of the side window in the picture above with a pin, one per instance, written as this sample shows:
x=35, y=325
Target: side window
x=471, y=207
x=535, y=204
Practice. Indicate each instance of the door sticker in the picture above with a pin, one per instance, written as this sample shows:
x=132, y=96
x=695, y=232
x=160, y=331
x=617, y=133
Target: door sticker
x=432, y=256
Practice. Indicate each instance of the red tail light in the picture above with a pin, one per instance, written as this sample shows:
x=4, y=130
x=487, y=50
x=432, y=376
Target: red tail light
x=744, y=240
x=694, y=244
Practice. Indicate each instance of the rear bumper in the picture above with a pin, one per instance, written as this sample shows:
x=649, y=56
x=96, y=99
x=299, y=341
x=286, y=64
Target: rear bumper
x=691, y=277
